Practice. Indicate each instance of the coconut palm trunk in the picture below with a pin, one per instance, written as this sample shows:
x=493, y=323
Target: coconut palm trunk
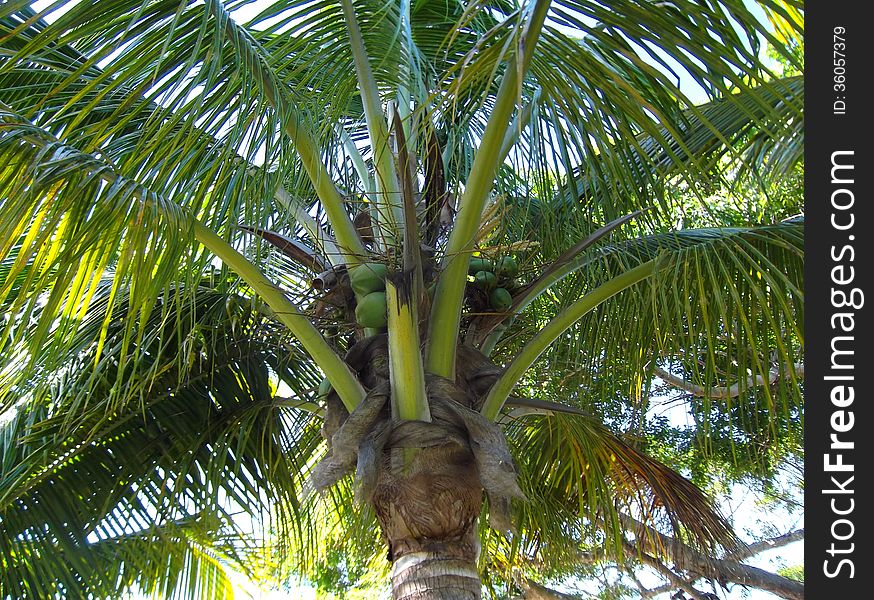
x=351, y=266
x=428, y=513
x=424, y=479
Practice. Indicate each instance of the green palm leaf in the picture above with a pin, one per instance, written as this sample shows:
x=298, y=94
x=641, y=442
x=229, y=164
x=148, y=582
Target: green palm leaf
x=721, y=293
x=150, y=492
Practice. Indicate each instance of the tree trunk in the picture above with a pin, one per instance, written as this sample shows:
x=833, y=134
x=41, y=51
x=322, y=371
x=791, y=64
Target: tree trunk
x=434, y=575
x=424, y=480
x=428, y=504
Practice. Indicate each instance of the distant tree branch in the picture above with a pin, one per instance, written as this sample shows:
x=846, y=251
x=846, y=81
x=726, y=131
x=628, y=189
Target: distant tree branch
x=725, y=570
x=646, y=594
x=731, y=391
x=535, y=591
x=765, y=545
x=673, y=578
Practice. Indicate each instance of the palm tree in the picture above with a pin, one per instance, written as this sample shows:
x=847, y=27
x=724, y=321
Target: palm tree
x=244, y=257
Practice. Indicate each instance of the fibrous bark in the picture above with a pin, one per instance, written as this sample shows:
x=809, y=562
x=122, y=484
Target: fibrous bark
x=424, y=480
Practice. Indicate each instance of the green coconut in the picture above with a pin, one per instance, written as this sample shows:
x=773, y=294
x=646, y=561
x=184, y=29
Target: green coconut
x=371, y=310
x=324, y=388
x=507, y=267
x=500, y=299
x=367, y=277
x=479, y=263
x=486, y=279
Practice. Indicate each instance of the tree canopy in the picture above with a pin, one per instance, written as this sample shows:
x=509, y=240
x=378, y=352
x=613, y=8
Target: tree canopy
x=194, y=193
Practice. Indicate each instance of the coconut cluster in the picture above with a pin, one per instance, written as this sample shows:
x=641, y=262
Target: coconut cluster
x=368, y=283
x=495, y=278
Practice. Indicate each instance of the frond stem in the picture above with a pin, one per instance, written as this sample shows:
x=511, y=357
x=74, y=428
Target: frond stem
x=502, y=388
x=409, y=399
x=388, y=196
x=350, y=242
x=448, y=297
x=343, y=380
x=319, y=236
x=338, y=372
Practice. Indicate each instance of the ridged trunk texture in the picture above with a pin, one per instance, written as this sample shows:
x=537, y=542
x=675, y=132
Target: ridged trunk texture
x=428, y=510
x=432, y=576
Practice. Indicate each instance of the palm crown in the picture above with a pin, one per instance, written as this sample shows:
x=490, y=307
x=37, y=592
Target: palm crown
x=436, y=238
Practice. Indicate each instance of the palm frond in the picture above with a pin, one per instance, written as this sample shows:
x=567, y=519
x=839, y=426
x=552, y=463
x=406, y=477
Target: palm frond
x=85, y=481
x=573, y=466
x=601, y=103
x=168, y=561
x=726, y=308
